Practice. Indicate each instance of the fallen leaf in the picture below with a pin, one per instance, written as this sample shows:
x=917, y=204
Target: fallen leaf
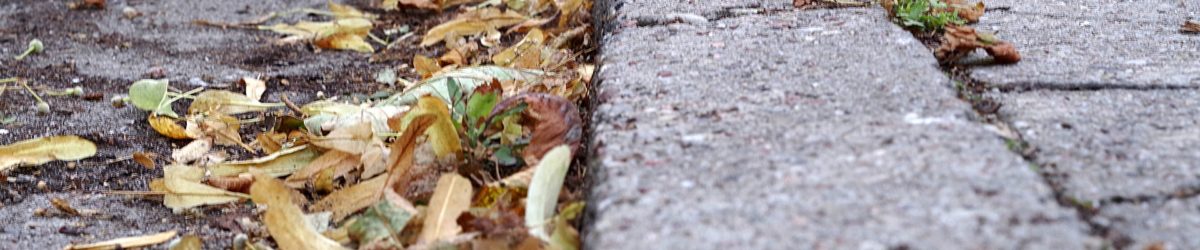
x=64, y=206
x=543, y=190
x=240, y=183
x=278, y=164
x=254, y=87
x=127, y=242
x=958, y=41
x=224, y=129
x=526, y=54
x=228, y=103
x=349, y=139
x=471, y=23
x=567, y=9
x=146, y=159
x=1191, y=26
x=182, y=188
x=328, y=160
x=348, y=31
x=166, y=126
x=425, y=66
x=565, y=237
x=451, y=198
x=188, y=242
x=442, y=134
x=349, y=200
x=969, y=12
x=380, y=226
x=553, y=120
x=192, y=151
x=466, y=78
x=284, y=220
x=45, y=149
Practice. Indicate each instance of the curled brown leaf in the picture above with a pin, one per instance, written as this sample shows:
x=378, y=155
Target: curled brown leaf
x=553, y=120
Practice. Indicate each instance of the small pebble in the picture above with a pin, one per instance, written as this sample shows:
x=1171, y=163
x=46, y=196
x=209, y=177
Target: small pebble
x=41, y=185
x=72, y=165
x=3, y=131
x=156, y=72
x=130, y=12
x=196, y=81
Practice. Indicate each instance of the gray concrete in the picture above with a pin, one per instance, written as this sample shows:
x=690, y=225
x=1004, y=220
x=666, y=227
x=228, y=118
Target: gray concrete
x=1171, y=223
x=1112, y=143
x=824, y=129
x=1094, y=43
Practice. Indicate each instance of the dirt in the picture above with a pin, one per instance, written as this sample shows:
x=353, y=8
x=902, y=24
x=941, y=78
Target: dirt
x=104, y=51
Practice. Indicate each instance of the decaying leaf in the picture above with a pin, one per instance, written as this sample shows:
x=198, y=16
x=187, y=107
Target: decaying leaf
x=64, y=206
x=968, y=12
x=166, y=126
x=240, y=183
x=349, y=139
x=451, y=198
x=380, y=226
x=229, y=103
x=182, y=189
x=330, y=159
x=349, y=200
x=466, y=78
x=192, y=151
x=526, y=54
x=547, y=182
x=127, y=242
x=45, y=149
x=224, y=129
x=284, y=220
x=565, y=237
x=278, y=164
x=472, y=23
x=146, y=159
x=959, y=41
x=1191, y=26
x=554, y=121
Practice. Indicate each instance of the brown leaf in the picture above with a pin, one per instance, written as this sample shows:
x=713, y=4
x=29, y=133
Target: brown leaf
x=284, y=220
x=1190, y=26
x=451, y=198
x=64, y=206
x=403, y=150
x=145, y=158
x=471, y=23
x=801, y=3
x=970, y=13
x=554, y=121
x=240, y=183
x=330, y=159
x=278, y=164
x=349, y=200
x=1004, y=52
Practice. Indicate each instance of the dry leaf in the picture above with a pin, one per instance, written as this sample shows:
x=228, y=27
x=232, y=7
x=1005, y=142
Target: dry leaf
x=254, y=88
x=553, y=120
x=348, y=31
x=470, y=24
x=228, y=103
x=166, y=126
x=41, y=150
x=1191, y=26
x=442, y=134
x=451, y=198
x=403, y=150
x=145, y=158
x=64, y=206
x=958, y=41
x=547, y=182
x=278, y=164
x=193, y=151
x=240, y=183
x=182, y=188
x=467, y=79
x=349, y=200
x=349, y=139
x=328, y=160
x=125, y=243
x=284, y=220
x=526, y=54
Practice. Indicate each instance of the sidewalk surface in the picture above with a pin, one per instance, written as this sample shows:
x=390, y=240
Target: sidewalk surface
x=744, y=124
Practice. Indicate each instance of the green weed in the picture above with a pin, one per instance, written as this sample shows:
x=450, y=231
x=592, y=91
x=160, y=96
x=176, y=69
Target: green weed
x=928, y=15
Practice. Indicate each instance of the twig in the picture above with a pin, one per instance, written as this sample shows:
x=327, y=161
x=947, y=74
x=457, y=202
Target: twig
x=291, y=105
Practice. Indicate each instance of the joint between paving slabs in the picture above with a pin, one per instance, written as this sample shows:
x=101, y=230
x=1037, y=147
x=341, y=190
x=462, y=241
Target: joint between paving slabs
x=1082, y=87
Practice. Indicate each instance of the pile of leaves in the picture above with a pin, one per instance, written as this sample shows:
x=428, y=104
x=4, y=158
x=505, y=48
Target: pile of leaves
x=948, y=19
x=474, y=154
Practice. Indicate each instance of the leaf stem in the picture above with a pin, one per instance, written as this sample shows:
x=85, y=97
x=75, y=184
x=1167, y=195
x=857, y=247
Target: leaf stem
x=31, y=92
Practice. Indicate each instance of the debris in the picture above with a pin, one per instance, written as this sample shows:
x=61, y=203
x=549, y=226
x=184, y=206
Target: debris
x=130, y=12
x=41, y=150
x=146, y=159
x=35, y=47
x=181, y=189
x=127, y=242
x=471, y=23
x=187, y=242
x=278, y=164
x=348, y=31
x=64, y=206
x=959, y=41
x=467, y=80
x=1190, y=26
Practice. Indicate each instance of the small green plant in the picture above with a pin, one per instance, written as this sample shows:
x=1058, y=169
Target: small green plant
x=928, y=15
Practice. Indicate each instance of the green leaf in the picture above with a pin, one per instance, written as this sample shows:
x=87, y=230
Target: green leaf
x=150, y=95
x=480, y=105
x=382, y=221
x=467, y=79
x=547, y=182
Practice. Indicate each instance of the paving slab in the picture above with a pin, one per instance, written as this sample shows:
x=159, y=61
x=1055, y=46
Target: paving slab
x=1112, y=143
x=1094, y=43
x=1171, y=224
x=783, y=132
x=709, y=9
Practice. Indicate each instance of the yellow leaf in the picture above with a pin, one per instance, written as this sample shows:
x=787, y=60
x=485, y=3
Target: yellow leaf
x=325, y=161
x=441, y=134
x=472, y=23
x=127, y=242
x=284, y=220
x=167, y=127
x=547, y=182
x=254, y=87
x=346, y=33
x=451, y=198
x=350, y=139
x=425, y=66
x=41, y=150
x=278, y=164
x=526, y=51
x=145, y=158
x=228, y=103
x=349, y=200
